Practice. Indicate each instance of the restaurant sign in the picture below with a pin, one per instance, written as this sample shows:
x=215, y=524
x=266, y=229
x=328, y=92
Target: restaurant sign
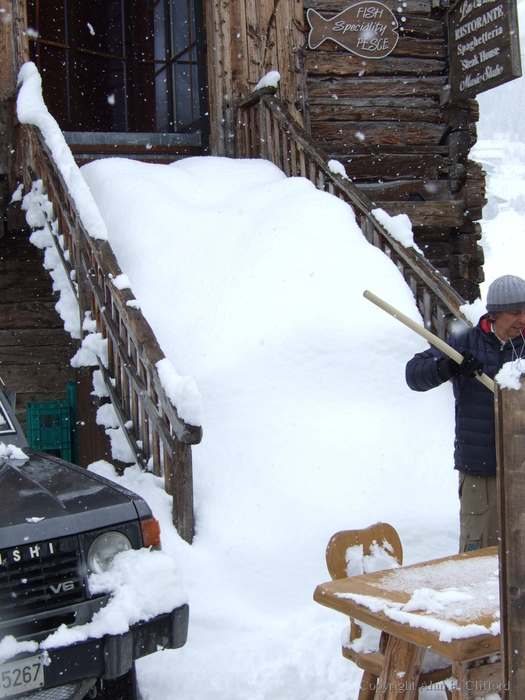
x=366, y=29
x=484, y=46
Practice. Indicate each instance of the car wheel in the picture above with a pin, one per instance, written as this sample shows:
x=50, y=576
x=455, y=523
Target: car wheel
x=121, y=688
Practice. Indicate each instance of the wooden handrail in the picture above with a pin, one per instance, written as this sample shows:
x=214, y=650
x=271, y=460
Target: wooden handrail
x=267, y=130
x=159, y=439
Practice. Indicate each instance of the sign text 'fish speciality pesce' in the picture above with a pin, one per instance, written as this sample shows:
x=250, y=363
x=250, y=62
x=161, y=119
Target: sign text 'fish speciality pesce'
x=366, y=29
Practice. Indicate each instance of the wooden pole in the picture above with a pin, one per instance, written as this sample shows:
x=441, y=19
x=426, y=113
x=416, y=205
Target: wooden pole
x=510, y=447
x=433, y=339
x=403, y=661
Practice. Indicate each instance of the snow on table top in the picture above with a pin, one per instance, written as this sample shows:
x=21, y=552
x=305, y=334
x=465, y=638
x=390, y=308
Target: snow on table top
x=456, y=598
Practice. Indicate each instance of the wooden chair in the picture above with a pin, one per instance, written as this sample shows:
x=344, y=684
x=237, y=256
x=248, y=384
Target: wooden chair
x=385, y=537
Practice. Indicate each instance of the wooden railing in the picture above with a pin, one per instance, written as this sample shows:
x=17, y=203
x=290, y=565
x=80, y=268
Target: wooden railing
x=159, y=439
x=266, y=130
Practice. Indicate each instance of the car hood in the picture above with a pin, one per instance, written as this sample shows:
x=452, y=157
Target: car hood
x=43, y=497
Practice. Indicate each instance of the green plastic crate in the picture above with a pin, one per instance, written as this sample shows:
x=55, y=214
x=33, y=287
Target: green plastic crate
x=50, y=428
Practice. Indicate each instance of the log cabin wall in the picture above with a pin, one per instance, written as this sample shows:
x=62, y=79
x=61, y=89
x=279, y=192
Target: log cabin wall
x=382, y=118
x=35, y=351
x=245, y=40
x=34, y=348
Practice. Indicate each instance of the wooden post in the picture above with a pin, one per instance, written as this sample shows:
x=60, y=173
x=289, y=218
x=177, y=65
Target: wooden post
x=402, y=661
x=93, y=443
x=510, y=446
x=181, y=478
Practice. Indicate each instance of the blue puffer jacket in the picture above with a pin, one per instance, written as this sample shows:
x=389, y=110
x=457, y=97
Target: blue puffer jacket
x=475, y=443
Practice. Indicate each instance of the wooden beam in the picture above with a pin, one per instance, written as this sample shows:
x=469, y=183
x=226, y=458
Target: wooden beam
x=510, y=448
x=422, y=109
x=372, y=87
x=374, y=134
x=403, y=660
x=338, y=63
x=444, y=214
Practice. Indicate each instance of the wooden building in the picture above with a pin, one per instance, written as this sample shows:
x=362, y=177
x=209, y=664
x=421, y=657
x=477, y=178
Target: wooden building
x=159, y=80
x=382, y=118
x=373, y=85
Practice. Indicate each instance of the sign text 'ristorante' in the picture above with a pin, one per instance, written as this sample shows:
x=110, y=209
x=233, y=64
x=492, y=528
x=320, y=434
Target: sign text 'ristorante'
x=484, y=46
x=366, y=29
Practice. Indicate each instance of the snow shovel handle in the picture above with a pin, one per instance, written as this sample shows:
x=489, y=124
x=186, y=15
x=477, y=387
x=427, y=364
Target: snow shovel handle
x=433, y=339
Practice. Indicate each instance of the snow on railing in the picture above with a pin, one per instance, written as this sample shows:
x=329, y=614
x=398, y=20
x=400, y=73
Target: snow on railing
x=159, y=439
x=267, y=130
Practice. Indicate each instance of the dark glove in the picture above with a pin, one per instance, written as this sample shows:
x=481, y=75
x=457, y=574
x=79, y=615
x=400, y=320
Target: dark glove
x=470, y=366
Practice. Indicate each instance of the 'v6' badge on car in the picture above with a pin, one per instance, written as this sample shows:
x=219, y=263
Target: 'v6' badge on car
x=366, y=29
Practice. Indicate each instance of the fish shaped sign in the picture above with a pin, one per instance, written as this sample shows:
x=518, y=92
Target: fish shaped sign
x=366, y=29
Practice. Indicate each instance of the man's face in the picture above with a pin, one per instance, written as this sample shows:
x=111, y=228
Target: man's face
x=509, y=324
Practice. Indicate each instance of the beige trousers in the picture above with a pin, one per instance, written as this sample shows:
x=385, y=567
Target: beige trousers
x=478, y=514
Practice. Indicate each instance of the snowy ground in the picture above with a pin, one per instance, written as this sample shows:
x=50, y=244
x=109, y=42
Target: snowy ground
x=253, y=284
x=256, y=293
x=308, y=425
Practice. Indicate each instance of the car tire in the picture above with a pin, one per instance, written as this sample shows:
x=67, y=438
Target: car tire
x=121, y=688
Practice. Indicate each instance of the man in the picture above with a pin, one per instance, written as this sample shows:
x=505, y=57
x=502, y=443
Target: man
x=498, y=338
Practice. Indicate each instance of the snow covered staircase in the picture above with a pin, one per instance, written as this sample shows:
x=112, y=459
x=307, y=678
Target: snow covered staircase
x=266, y=130
x=159, y=439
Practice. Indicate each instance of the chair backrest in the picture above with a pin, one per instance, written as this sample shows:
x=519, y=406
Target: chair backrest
x=381, y=533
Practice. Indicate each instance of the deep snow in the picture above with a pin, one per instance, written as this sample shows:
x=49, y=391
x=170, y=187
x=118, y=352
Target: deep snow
x=253, y=284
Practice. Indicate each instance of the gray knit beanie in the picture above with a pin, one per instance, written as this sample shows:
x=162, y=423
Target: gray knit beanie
x=506, y=293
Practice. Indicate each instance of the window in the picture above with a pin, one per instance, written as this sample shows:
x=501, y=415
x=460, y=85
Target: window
x=126, y=66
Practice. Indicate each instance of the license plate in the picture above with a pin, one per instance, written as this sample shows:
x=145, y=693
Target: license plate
x=21, y=676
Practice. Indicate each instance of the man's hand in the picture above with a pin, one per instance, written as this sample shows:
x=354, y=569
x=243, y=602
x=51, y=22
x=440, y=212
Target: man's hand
x=470, y=366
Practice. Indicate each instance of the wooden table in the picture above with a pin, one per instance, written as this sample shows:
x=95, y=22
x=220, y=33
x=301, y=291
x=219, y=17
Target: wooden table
x=458, y=618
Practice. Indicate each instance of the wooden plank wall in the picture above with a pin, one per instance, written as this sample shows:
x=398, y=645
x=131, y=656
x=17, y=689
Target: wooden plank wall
x=383, y=120
x=34, y=348
x=371, y=111
x=245, y=40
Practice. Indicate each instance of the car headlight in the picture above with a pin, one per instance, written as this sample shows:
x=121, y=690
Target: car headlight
x=104, y=549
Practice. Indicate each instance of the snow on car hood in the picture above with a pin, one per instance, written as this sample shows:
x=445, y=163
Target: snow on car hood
x=44, y=497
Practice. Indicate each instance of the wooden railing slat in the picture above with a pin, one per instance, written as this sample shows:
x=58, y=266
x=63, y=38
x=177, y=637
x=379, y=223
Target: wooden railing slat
x=428, y=286
x=157, y=436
